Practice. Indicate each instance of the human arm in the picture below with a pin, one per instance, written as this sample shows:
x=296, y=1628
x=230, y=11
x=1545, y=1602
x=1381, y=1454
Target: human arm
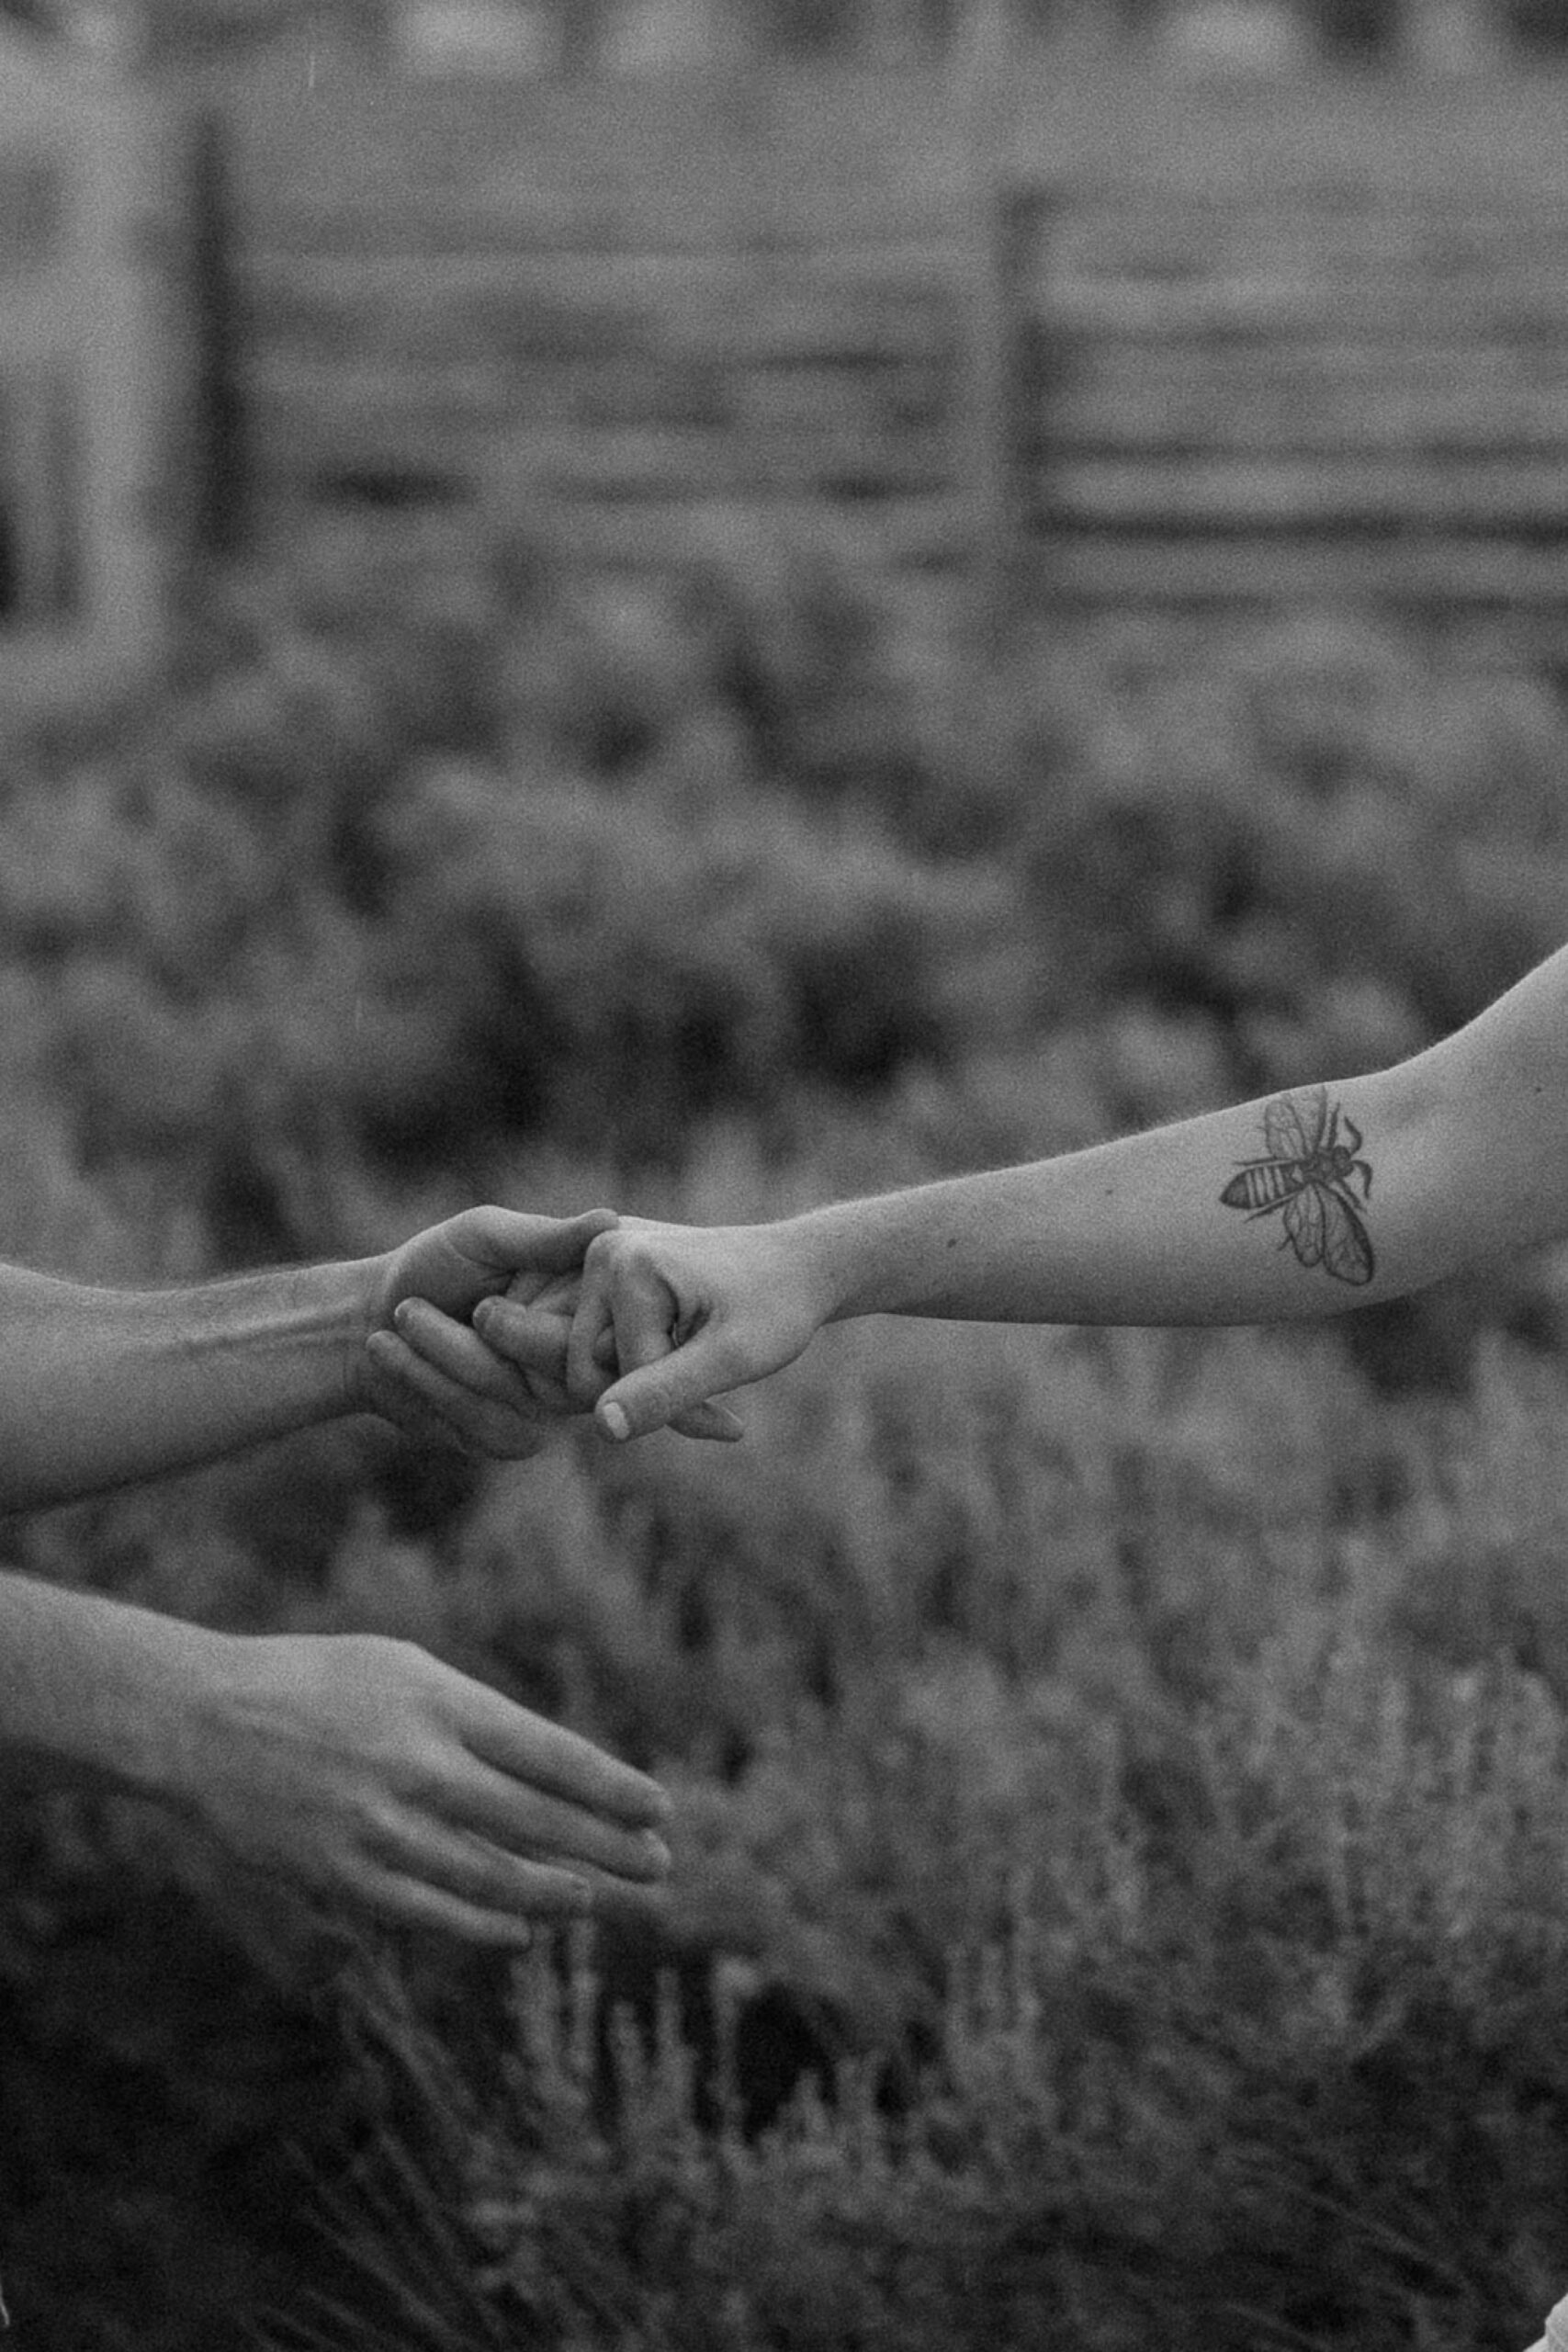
x=99, y=1387
x=363, y=1768
x=1444, y=1160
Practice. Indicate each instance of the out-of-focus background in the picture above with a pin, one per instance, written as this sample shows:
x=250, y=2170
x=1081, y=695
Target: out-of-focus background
x=706, y=603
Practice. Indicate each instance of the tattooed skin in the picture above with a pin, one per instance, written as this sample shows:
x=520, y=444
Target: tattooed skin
x=1310, y=1174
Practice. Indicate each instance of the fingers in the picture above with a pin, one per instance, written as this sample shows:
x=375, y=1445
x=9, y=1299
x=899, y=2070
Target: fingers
x=514, y=1381
x=517, y=1244
x=668, y=1391
x=429, y=1406
x=531, y=1822
x=538, y=1895
x=426, y=1873
x=552, y=1760
x=400, y=1392
x=544, y=1878
x=534, y=1342
x=709, y=1420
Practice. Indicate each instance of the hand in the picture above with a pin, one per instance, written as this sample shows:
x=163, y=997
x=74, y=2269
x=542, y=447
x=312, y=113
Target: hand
x=378, y=1776
x=422, y=1366
x=670, y=1316
x=500, y=1398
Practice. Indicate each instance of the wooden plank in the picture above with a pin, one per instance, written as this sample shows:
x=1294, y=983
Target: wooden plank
x=921, y=534
x=371, y=141
x=1324, y=419
x=726, y=319
x=1397, y=135
x=642, y=464
x=842, y=286
x=1237, y=368
x=1216, y=492
x=626, y=464
x=1122, y=570
x=1337, y=242
x=647, y=388
x=679, y=227
x=1108, y=121
x=1354, y=216
x=422, y=279
x=1525, y=305
x=895, y=325
x=983, y=408
x=870, y=393
x=856, y=392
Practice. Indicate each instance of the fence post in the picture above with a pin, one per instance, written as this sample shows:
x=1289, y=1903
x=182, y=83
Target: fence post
x=224, y=483
x=581, y=46
x=986, y=470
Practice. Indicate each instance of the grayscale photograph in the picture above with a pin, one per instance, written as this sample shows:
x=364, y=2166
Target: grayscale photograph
x=783, y=1044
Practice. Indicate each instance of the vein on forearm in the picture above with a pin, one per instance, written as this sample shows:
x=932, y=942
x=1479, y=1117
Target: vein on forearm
x=102, y=1387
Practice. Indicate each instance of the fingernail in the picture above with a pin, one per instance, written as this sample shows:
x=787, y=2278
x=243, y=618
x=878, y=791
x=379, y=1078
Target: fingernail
x=614, y=1420
x=656, y=1850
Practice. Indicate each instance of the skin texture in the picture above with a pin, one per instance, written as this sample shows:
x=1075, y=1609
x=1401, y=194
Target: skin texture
x=99, y=1387
x=364, y=1770
x=1375, y=1186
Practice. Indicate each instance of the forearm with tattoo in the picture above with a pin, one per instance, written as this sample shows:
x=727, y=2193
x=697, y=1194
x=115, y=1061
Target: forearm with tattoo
x=1310, y=1170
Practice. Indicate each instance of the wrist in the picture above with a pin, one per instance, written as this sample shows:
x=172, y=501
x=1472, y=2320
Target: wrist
x=164, y=1751
x=102, y=1693
x=826, y=1251
x=367, y=1291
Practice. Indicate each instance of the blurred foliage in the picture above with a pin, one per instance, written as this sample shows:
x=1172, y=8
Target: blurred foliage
x=1118, y=1772
x=1102, y=1910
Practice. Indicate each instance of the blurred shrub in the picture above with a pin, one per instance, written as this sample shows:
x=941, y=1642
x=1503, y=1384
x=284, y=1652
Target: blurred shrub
x=414, y=863
x=1155, y=1944
x=617, y=966
x=439, y=873
x=278, y=934
x=1327, y=841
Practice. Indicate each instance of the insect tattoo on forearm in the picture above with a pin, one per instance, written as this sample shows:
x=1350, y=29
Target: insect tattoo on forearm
x=1311, y=1173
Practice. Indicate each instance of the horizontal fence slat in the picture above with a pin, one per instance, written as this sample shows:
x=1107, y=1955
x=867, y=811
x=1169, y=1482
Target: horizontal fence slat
x=1525, y=306
x=623, y=466
x=1222, y=493
x=1303, y=340
x=721, y=221
x=1095, y=238
x=1325, y=421
x=1111, y=569
x=1297, y=366
x=915, y=534
x=844, y=392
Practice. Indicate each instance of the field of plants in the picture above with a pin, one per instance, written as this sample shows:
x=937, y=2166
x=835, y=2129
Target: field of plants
x=1122, y=1783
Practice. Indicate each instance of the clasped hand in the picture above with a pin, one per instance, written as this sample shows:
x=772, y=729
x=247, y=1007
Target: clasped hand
x=645, y=1324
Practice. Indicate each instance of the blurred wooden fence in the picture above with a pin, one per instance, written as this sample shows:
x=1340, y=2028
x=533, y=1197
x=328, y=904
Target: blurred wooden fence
x=606, y=308
x=1239, y=341
x=1308, y=344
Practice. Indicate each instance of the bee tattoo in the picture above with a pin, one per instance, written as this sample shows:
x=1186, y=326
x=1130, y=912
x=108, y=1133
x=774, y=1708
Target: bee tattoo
x=1311, y=1171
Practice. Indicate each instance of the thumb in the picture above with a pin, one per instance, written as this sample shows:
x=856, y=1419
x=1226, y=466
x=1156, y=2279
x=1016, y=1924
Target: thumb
x=656, y=1393
x=532, y=1249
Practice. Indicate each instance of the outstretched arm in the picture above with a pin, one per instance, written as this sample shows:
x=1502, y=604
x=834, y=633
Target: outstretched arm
x=368, y=1772
x=102, y=1387
x=1309, y=1202
x=364, y=1769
